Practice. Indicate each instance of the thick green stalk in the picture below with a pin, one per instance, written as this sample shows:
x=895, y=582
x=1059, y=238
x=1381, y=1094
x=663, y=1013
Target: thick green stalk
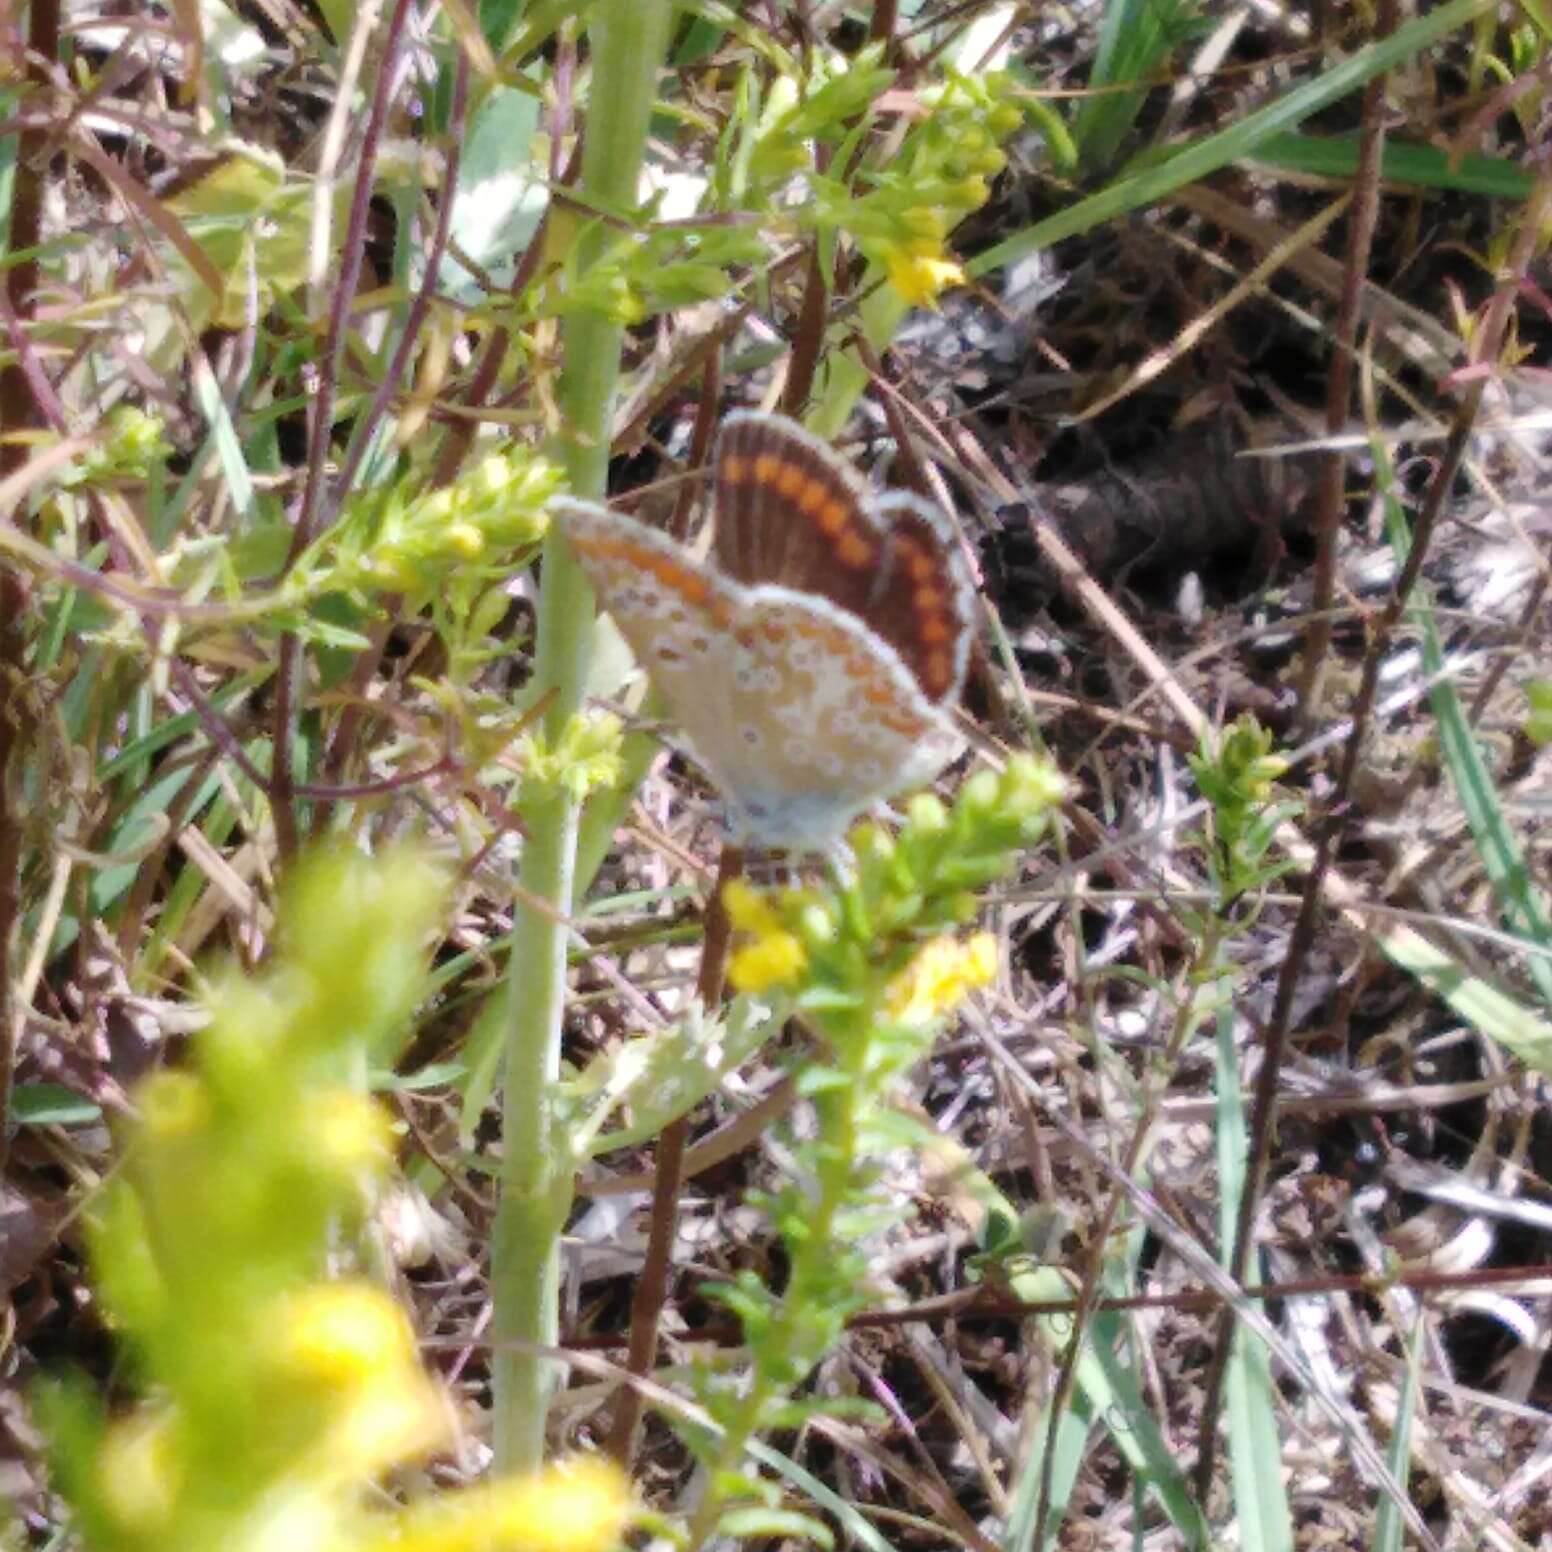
x=628, y=39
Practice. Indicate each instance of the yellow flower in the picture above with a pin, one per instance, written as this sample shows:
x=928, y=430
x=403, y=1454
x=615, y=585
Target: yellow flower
x=776, y=957
x=464, y=540
x=138, y=1474
x=351, y=1346
x=777, y=960
x=348, y=1131
x=581, y=1506
x=940, y=975
x=919, y=272
x=173, y=1106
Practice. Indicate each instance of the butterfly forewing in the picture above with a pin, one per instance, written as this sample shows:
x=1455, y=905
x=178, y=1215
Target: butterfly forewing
x=790, y=512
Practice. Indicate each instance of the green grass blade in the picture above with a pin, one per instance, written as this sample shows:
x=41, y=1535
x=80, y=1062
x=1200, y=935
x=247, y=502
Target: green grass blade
x=1522, y=904
x=1136, y=39
x=1255, y=1450
x=1421, y=166
x=1387, y=1522
x=1240, y=140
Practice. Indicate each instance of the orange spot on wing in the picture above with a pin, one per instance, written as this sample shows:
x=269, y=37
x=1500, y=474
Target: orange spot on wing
x=932, y=630
x=854, y=551
x=831, y=517
x=735, y=470
x=789, y=480
x=694, y=589
x=812, y=497
x=766, y=467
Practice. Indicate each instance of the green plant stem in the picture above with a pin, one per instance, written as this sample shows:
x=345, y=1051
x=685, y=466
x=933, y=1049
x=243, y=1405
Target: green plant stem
x=629, y=39
x=845, y=379
x=838, y=1111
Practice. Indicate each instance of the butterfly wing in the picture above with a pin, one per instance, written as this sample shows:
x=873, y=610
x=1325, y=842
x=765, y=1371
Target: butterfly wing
x=839, y=724
x=790, y=512
x=793, y=514
x=676, y=613
x=802, y=717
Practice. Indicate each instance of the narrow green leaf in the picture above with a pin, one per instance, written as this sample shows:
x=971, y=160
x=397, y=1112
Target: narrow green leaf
x=1425, y=166
x=1242, y=139
x=51, y=1104
x=1250, y=1398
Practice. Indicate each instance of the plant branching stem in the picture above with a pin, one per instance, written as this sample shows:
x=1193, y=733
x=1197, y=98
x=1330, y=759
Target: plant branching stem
x=629, y=39
x=1487, y=346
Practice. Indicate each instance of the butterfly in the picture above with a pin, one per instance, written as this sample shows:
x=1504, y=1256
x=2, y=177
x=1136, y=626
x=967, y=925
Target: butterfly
x=814, y=658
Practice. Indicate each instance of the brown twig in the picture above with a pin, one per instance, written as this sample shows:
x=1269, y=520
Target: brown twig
x=988, y=1301
x=1339, y=386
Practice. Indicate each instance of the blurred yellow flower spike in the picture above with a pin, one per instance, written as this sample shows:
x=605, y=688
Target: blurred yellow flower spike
x=578, y=1506
x=350, y=1346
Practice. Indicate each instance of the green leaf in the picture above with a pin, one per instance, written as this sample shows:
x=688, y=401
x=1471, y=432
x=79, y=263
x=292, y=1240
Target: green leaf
x=1424, y=166
x=502, y=193
x=51, y=1104
x=776, y=1523
x=1250, y=1397
x=1136, y=40
x=1538, y=725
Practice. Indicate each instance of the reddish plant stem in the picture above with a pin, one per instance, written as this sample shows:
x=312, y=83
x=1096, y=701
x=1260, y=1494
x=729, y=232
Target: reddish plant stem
x=452, y=143
x=808, y=339
x=349, y=727
x=18, y=412
x=1339, y=386
x=1488, y=344
x=282, y=786
x=486, y=374
x=881, y=25
x=706, y=416
x=652, y=1288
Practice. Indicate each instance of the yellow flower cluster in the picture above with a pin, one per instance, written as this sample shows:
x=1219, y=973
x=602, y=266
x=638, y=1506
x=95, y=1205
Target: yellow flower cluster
x=774, y=956
x=919, y=271
x=942, y=972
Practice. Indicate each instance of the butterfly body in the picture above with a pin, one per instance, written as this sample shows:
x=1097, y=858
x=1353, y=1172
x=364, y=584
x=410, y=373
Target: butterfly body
x=777, y=661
